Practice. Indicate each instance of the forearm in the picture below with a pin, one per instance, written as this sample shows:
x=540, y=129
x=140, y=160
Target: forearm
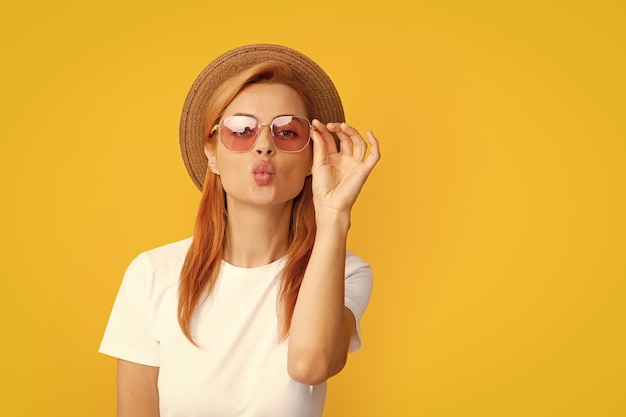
x=318, y=338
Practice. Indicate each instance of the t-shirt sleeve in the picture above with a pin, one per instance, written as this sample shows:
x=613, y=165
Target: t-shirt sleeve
x=128, y=334
x=358, y=289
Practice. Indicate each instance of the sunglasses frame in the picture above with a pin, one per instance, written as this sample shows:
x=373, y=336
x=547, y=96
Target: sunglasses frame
x=259, y=126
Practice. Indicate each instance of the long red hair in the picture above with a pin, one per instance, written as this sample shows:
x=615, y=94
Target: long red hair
x=202, y=264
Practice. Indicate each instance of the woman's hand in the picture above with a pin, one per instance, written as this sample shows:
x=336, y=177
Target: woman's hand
x=339, y=174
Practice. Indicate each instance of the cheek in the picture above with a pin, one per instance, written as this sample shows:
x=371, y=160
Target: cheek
x=298, y=175
x=228, y=172
x=303, y=166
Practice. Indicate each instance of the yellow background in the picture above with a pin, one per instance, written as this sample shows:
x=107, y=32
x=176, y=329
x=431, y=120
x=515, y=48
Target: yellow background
x=494, y=222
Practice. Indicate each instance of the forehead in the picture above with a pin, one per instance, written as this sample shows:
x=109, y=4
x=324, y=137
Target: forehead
x=266, y=101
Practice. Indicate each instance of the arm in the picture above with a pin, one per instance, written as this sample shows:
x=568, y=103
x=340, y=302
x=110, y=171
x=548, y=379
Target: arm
x=321, y=325
x=137, y=393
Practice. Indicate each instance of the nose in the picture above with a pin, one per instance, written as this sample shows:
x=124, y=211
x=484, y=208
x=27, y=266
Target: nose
x=265, y=143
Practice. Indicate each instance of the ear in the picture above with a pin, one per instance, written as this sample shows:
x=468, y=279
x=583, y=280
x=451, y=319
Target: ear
x=209, y=151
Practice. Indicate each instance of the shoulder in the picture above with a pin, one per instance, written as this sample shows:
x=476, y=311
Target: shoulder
x=172, y=254
x=161, y=265
x=355, y=263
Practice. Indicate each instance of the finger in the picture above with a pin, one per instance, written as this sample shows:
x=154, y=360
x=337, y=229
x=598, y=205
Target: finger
x=358, y=144
x=320, y=145
x=345, y=143
x=327, y=137
x=335, y=129
x=374, y=155
x=351, y=140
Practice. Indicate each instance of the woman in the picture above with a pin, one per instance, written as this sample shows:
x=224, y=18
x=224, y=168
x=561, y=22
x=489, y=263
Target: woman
x=253, y=314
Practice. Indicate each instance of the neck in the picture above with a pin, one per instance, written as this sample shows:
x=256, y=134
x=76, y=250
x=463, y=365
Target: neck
x=256, y=236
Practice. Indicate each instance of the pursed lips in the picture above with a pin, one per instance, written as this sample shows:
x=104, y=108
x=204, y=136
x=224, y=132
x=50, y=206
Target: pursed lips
x=262, y=172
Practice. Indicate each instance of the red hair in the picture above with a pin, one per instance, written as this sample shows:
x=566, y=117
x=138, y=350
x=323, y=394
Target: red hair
x=202, y=264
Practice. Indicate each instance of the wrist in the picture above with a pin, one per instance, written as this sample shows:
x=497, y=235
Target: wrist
x=332, y=219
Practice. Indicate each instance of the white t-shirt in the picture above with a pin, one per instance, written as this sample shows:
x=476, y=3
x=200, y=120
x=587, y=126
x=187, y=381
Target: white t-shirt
x=238, y=368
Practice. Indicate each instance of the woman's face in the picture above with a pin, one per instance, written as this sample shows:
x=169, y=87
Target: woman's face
x=264, y=175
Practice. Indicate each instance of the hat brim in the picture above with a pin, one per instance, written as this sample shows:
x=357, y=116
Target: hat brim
x=325, y=96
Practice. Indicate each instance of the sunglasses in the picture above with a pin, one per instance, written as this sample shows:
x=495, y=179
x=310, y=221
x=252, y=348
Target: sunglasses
x=239, y=133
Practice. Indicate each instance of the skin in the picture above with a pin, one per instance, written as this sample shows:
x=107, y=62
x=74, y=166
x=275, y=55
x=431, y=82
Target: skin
x=137, y=392
x=259, y=215
x=258, y=229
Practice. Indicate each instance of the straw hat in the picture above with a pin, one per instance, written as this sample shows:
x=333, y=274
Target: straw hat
x=325, y=96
